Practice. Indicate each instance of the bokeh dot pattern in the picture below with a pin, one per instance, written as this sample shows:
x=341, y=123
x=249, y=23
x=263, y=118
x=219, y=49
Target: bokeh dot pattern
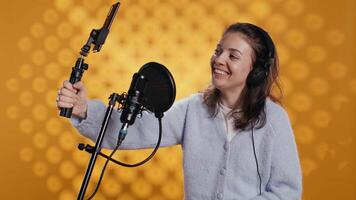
x=144, y=31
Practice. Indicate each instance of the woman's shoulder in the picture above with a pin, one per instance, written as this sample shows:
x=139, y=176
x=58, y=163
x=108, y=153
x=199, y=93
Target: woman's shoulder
x=194, y=101
x=275, y=109
x=277, y=116
x=193, y=98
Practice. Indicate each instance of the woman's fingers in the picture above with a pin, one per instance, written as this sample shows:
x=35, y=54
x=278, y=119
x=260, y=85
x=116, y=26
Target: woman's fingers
x=68, y=93
x=78, y=85
x=62, y=104
x=66, y=99
x=69, y=86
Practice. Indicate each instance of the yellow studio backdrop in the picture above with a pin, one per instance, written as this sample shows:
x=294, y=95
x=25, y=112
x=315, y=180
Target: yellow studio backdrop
x=40, y=41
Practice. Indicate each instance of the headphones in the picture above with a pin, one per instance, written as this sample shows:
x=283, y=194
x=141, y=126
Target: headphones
x=260, y=69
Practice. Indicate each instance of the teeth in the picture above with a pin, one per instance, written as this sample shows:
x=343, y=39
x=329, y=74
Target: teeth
x=218, y=71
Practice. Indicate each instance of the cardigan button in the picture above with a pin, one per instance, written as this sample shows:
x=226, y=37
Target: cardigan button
x=226, y=146
x=222, y=171
x=219, y=196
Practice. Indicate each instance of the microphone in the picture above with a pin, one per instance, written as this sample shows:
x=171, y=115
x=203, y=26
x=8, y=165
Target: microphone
x=133, y=104
x=153, y=89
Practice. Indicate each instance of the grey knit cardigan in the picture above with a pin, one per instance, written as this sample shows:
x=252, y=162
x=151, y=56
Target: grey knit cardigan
x=213, y=167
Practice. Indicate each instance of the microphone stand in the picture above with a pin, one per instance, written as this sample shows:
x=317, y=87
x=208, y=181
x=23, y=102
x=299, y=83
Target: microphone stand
x=96, y=37
x=114, y=97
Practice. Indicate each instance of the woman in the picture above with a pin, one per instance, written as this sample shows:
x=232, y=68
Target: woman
x=237, y=140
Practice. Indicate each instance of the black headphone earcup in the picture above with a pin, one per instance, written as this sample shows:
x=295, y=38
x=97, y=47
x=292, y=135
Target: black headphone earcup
x=256, y=77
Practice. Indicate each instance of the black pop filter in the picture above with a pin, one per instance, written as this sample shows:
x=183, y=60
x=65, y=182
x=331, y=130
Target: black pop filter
x=160, y=90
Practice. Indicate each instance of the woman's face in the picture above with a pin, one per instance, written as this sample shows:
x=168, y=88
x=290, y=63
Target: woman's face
x=231, y=63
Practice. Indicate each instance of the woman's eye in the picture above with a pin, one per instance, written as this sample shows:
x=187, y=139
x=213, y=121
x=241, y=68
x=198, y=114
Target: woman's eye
x=233, y=56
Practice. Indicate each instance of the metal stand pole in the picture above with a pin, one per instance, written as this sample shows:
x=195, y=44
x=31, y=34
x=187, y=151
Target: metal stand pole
x=113, y=98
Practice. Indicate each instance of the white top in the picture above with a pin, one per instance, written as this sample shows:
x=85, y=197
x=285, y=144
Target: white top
x=229, y=122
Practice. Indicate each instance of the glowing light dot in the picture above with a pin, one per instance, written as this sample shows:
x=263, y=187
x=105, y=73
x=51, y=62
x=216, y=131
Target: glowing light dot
x=13, y=112
x=308, y=166
x=260, y=9
x=304, y=134
x=155, y=175
x=337, y=70
x=67, y=194
x=296, y=38
x=53, y=126
x=67, y=169
x=171, y=190
x=40, y=168
x=40, y=140
x=66, y=57
x=64, y=30
x=24, y=44
x=136, y=12
x=318, y=86
x=338, y=100
x=12, y=84
x=40, y=112
x=54, y=184
x=50, y=16
x=298, y=70
x=313, y=21
x=141, y=188
x=294, y=7
x=51, y=43
x=111, y=187
x=37, y=30
x=79, y=158
x=26, y=154
x=316, y=54
x=38, y=57
x=39, y=84
x=301, y=102
x=321, y=118
x=52, y=71
x=126, y=175
x=77, y=15
x=67, y=141
x=26, y=126
x=53, y=155
x=26, y=71
x=335, y=37
x=63, y=5
x=277, y=23
x=91, y=4
x=321, y=150
x=76, y=42
x=26, y=98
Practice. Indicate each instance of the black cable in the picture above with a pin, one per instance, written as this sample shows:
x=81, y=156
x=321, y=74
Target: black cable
x=124, y=164
x=254, y=152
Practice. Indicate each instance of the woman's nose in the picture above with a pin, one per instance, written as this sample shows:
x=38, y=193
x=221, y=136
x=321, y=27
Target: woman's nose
x=220, y=59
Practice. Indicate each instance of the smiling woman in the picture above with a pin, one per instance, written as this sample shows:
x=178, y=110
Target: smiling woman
x=244, y=70
x=225, y=121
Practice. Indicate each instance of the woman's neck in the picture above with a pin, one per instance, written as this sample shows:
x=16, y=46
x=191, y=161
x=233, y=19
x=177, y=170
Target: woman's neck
x=230, y=98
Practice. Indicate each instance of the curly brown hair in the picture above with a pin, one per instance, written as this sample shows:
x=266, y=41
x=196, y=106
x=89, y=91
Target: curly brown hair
x=249, y=110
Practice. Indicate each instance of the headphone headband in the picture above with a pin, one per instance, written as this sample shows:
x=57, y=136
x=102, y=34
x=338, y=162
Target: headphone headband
x=268, y=42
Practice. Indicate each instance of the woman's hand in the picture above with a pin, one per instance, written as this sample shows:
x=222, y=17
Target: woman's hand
x=73, y=96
